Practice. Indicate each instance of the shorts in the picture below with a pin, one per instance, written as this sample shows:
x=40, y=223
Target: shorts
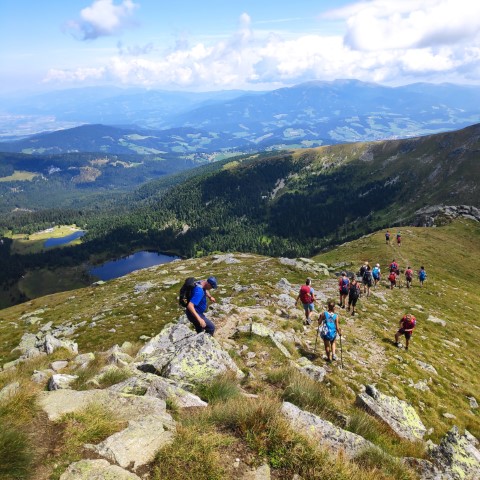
x=352, y=301
x=408, y=279
x=308, y=306
x=367, y=283
x=408, y=335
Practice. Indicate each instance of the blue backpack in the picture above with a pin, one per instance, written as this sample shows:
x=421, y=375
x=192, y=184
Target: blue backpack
x=329, y=327
x=422, y=275
x=376, y=273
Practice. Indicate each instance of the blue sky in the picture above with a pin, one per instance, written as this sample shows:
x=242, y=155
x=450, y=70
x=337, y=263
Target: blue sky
x=225, y=44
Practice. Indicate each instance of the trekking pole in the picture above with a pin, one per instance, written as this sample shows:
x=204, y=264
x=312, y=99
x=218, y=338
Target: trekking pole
x=316, y=338
x=341, y=352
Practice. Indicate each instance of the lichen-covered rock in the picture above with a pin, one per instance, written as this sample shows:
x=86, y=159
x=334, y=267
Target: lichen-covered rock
x=165, y=341
x=312, y=371
x=9, y=390
x=329, y=435
x=96, y=470
x=261, y=330
x=199, y=360
x=52, y=343
x=84, y=359
x=397, y=414
x=456, y=457
x=137, y=444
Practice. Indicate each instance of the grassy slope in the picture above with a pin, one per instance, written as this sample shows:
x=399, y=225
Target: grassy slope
x=450, y=255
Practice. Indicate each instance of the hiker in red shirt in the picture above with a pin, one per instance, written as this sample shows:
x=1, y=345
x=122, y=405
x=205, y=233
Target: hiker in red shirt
x=407, y=324
x=307, y=297
x=392, y=277
x=408, y=276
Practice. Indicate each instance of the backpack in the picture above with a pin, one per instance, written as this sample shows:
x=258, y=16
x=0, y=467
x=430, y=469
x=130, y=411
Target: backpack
x=392, y=277
x=367, y=276
x=354, y=290
x=409, y=324
x=344, y=285
x=186, y=291
x=376, y=273
x=329, y=327
x=409, y=274
x=387, y=236
x=422, y=275
x=305, y=294
x=393, y=266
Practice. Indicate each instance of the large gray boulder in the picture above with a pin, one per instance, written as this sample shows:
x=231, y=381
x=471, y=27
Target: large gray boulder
x=397, y=414
x=180, y=354
x=328, y=435
x=305, y=366
x=61, y=381
x=96, y=470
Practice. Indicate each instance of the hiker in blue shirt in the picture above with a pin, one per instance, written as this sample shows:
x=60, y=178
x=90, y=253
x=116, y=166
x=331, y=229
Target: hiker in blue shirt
x=197, y=306
x=329, y=327
x=422, y=275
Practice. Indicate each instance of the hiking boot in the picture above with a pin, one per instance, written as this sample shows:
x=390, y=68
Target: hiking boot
x=353, y=314
x=334, y=357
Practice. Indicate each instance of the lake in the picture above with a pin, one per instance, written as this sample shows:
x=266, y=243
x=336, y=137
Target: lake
x=122, y=266
x=55, y=242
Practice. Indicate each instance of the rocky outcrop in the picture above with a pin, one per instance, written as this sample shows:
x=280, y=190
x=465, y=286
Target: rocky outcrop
x=306, y=265
x=261, y=330
x=159, y=387
x=60, y=381
x=397, y=414
x=440, y=214
x=137, y=444
x=329, y=435
x=180, y=354
x=96, y=469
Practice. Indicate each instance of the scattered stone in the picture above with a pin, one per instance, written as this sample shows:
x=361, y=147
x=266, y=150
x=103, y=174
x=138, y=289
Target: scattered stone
x=9, y=390
x=59, y=365
x=96, y=469
x=84, y=359
x=427, y=367
x=473, y=402
x=261, y=473
x=449, y=415
x=312, y=371
x=143, y=287
x=422, y=385
x=228, y=258
x=329, y=435
x=436, y=320
x=41, y=376
x=60, y=381
x=263, y=331
x=397, y=414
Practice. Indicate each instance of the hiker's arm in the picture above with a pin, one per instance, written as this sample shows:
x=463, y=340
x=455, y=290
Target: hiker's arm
x=212, y=299
x=191, y=309
x=320, y=318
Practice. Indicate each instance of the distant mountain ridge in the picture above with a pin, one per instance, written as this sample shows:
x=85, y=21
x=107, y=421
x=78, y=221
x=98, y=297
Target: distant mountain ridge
x=306, y=115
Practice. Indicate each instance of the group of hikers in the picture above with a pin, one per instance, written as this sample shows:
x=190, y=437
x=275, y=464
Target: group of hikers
x=194, y=295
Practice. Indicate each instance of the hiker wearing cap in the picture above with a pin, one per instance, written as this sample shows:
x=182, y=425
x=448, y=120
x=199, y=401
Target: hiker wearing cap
x=197, y=306
x=307, y=297
x=328, y=328
x=343, y=288
x=407, y=324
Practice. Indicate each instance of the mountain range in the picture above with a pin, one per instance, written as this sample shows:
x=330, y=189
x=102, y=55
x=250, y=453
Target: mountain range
x=306, y=115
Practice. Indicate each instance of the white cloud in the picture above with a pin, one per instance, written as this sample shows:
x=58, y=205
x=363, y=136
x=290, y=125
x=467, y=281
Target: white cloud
x=385, y=41
x=102, y=18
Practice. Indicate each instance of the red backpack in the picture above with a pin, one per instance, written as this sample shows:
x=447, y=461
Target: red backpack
x=305, y=295
x=392, y=277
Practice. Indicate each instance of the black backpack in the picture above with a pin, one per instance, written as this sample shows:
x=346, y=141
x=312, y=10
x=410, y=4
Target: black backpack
x=186, y=291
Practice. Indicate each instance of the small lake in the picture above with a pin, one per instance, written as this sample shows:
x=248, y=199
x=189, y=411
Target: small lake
x=56, y=242
x=122, y=266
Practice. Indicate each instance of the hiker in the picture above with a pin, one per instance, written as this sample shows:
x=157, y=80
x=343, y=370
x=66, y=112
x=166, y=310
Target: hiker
x=392, y=277
x=197, y=305
x=328, y=327
x=367, y=280
x=408, y=276
x=422, y=275
x=394, y=267
x=376, y=274
x=407, y=324
x=343, y=288
x=399, y=239
x=353, y=293
x=307, y=297
x=387, y=237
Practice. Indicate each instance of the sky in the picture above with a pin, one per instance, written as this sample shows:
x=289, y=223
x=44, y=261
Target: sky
x=206, y=45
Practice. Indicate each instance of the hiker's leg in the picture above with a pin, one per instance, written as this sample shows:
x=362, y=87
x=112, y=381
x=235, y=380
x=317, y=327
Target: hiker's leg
x=397, y=336
x=194, y=321
x=210, y=328
x=327, y=348
x=333, y=347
